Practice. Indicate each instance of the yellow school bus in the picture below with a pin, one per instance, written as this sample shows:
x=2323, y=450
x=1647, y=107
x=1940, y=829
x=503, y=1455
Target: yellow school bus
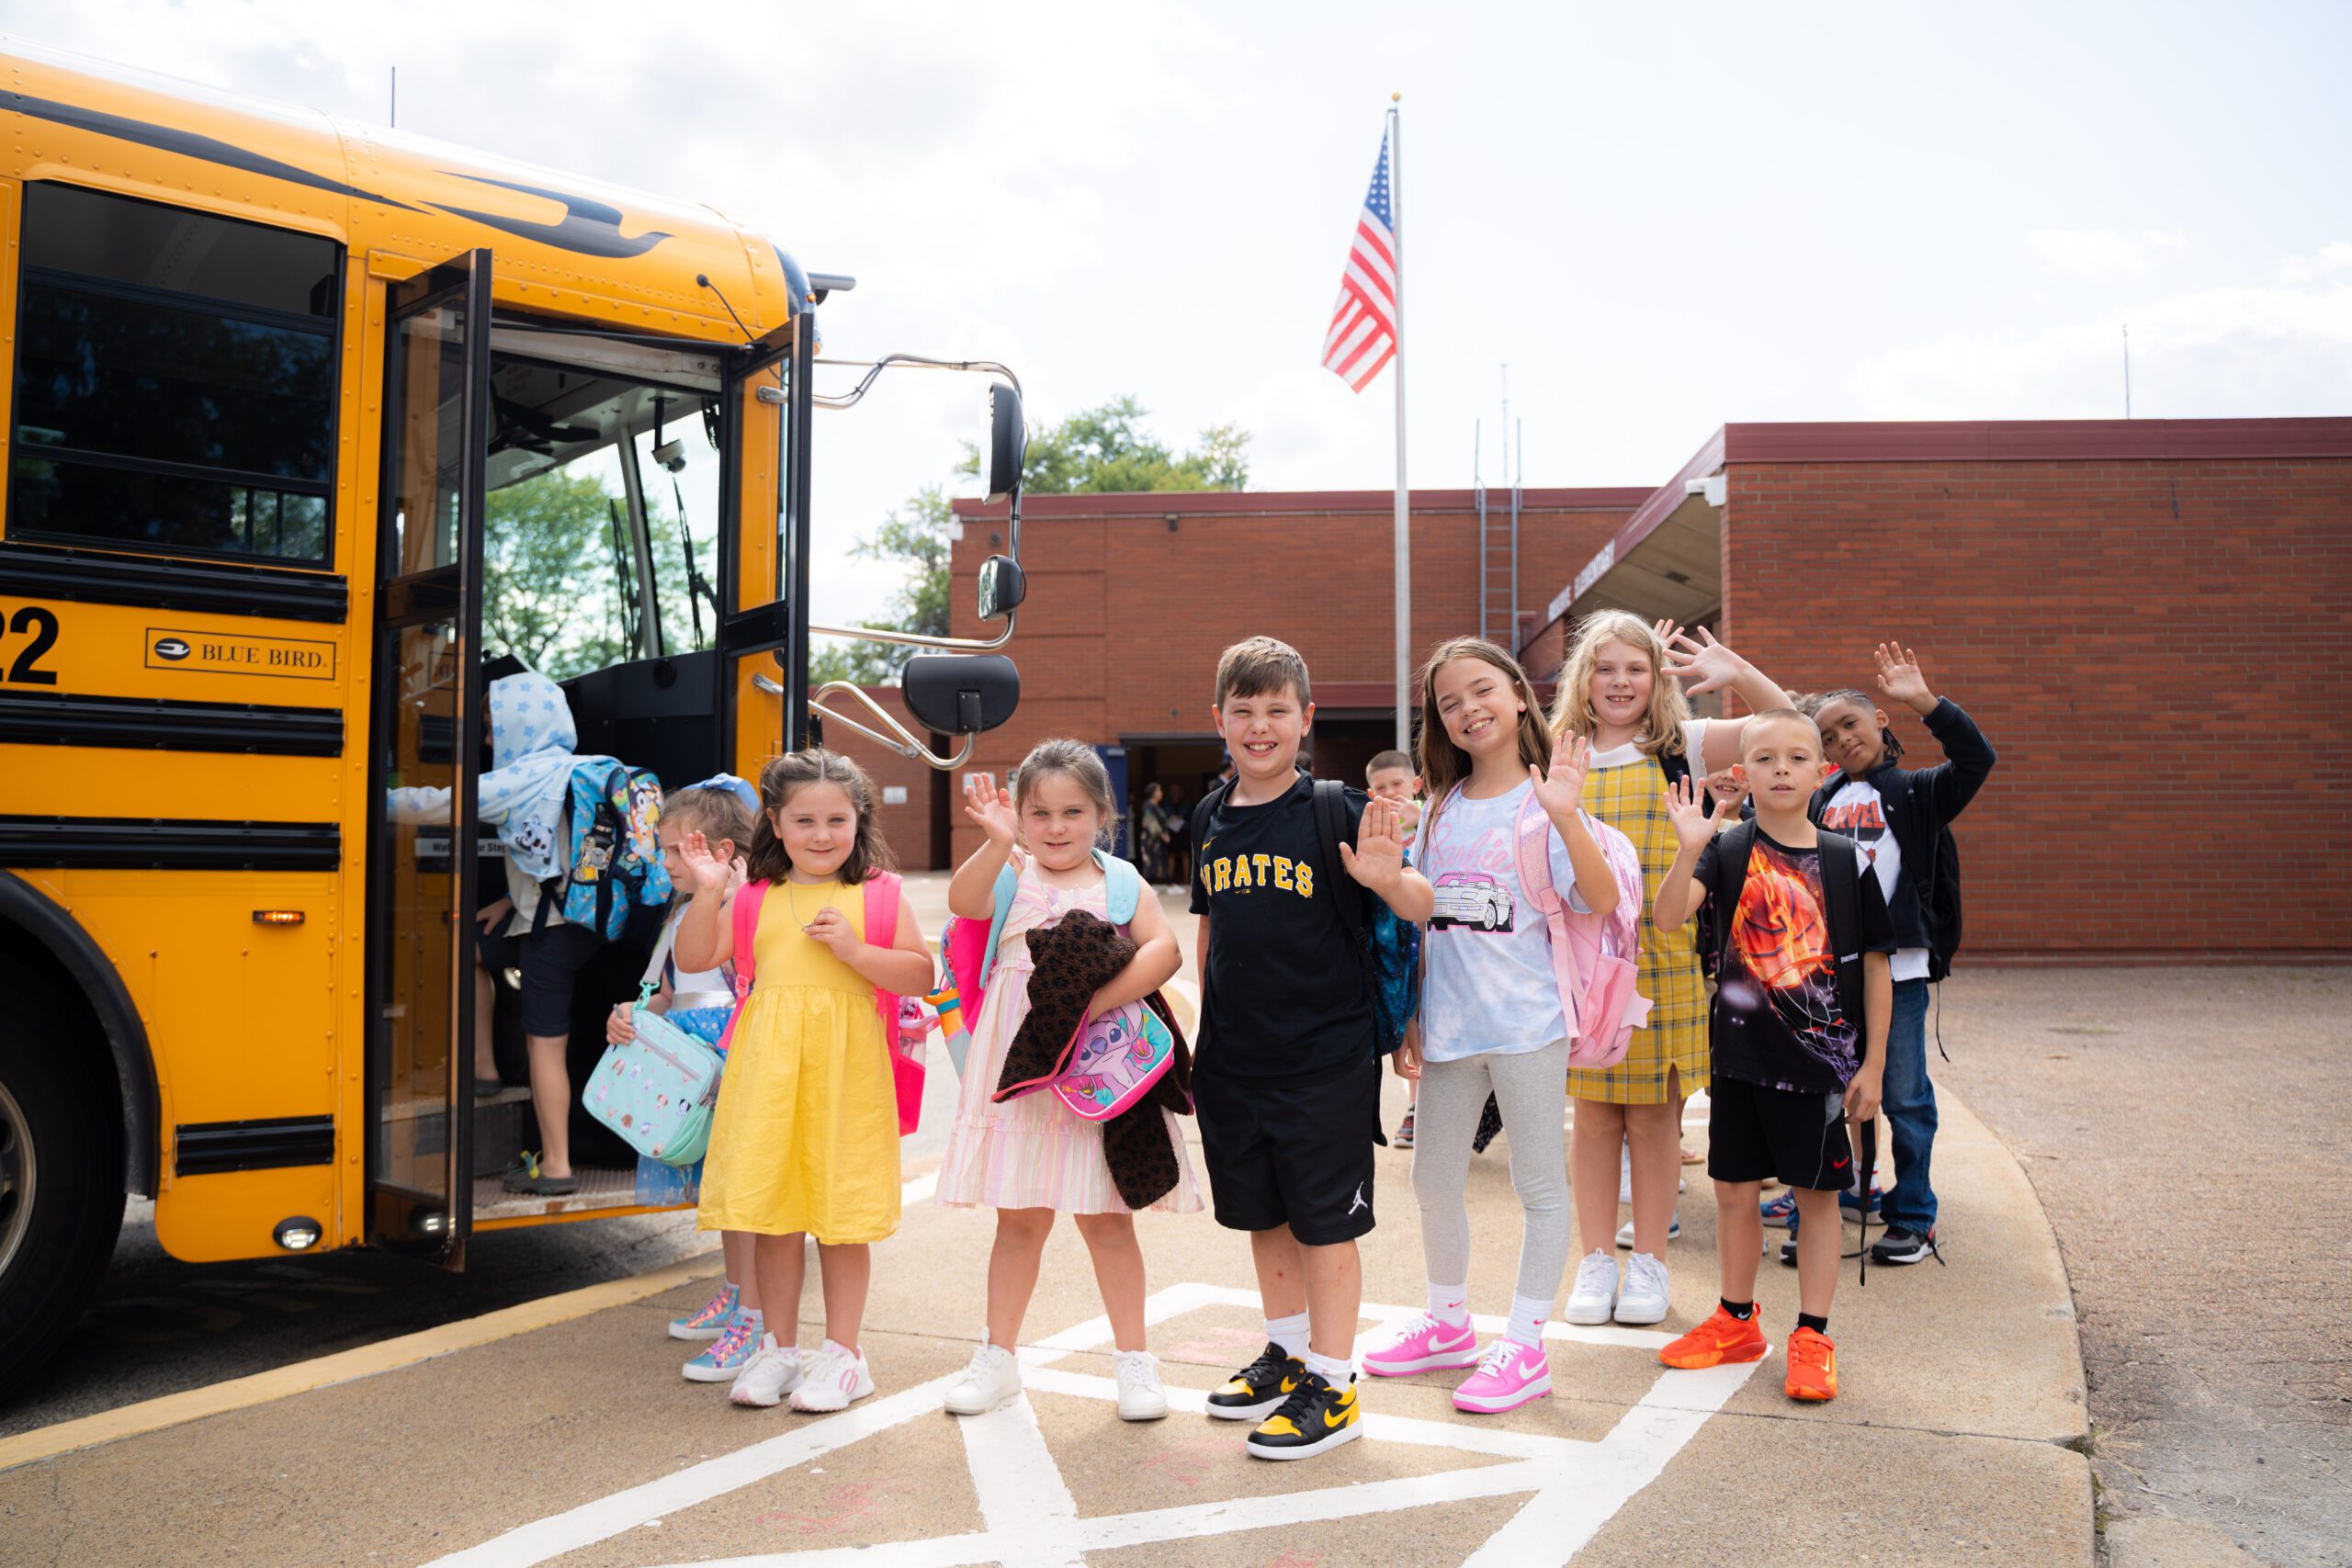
x=307, y=422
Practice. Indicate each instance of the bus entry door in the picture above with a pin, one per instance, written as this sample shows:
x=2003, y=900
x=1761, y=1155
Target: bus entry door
x=425, y=740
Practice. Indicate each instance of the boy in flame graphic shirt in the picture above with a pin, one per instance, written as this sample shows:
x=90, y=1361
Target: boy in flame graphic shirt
x=1802, y=998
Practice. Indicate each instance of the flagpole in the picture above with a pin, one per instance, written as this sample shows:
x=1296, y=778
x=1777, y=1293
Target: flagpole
x=1404, y=508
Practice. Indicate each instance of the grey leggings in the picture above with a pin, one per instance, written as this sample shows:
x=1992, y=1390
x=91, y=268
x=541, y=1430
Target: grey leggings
x=1532, y=1089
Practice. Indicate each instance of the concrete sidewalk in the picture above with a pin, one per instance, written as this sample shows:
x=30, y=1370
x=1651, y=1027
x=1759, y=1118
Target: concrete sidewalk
x=579, y=1443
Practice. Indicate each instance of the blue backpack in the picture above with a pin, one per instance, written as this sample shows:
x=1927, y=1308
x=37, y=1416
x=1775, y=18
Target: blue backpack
x=612, y=815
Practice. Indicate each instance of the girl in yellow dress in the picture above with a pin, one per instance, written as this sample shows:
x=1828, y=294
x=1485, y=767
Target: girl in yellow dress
x=804, y=1138
x=1620, y=691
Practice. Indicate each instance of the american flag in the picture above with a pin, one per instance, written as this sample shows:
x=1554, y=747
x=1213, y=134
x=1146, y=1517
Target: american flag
x=1363, y=323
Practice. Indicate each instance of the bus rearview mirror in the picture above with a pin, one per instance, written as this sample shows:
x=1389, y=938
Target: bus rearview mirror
x=1008, y=440
x=1003, y=585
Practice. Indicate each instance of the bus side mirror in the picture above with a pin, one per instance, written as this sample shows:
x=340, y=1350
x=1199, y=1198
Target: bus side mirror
x=1008, y=442
x=1003, y=585
x=960, y=693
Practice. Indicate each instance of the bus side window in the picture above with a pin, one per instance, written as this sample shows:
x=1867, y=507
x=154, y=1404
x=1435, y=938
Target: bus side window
x=175, y=380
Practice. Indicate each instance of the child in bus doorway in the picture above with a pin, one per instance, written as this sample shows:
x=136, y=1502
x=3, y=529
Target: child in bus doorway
x=1031, y=1157
x=1492, y=1019
x=701, y=1002
x=1621, y=690
x=522, y=795
x=805, y=1139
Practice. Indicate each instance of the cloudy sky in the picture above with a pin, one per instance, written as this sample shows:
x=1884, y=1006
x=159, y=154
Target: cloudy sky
x=1661, y=217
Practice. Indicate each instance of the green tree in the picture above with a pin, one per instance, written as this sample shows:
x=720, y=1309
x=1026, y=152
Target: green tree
x=1099, y=450
x=550, y=591
x=1096, y=450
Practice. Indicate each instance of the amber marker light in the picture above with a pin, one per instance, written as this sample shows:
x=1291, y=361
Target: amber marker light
x=278, y=917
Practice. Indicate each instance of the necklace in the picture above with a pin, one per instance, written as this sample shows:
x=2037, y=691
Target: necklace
x=793, y=904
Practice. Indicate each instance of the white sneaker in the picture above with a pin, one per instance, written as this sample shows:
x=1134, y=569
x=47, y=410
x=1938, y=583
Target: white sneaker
x=770, y=1373
x=1140, y=1396
x=1625, y=1233
x=1643, y=1300
x=836, y=1374
x=992, y=1377
x=1594, y=1296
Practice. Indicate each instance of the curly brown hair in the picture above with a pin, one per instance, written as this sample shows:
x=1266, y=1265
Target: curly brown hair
x=785, y=777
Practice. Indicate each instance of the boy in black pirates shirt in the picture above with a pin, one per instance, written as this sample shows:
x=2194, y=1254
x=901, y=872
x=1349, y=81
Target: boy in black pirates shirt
x=1286, y=1079
x=1803, y=997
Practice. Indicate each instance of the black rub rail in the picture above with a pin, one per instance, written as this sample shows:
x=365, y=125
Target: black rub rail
x=165, y=724
x=137, y=843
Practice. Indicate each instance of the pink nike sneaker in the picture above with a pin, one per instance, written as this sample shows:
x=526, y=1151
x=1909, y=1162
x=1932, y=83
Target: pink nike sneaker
x=1509, y=1375
x=1427, y=1343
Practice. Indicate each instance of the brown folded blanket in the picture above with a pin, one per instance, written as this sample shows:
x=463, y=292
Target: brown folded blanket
x=1075, y=959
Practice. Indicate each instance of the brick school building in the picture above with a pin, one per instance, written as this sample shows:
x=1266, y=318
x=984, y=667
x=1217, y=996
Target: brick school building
x=2151, y=619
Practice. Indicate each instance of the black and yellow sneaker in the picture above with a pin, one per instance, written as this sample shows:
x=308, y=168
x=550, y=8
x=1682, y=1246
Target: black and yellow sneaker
x=1317, y=1415
x=1259, y=1388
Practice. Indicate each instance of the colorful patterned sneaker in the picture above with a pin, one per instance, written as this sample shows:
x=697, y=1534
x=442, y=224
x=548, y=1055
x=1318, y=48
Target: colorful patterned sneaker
x=1403, y=1137
x=1509, y=1376
x=1259, y=1388
x=1721, y=1340
x=713, y=1318
x=1427, y=1343
x=772, y=1371
x=832, y=1378
x=731, y=1352
x=1813, y=1367
x=1316, y=1416
x=1781, y=1209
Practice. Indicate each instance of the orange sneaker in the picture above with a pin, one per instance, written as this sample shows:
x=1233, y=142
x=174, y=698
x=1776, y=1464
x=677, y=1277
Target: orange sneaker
x=1813, y=1366
x=1721, y=1338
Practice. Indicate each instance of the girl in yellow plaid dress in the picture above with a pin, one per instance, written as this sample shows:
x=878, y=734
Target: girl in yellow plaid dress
x=1620, y=691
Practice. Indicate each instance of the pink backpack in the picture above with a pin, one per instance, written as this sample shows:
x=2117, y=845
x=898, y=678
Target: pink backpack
x=1593, y=957
x=881, y=915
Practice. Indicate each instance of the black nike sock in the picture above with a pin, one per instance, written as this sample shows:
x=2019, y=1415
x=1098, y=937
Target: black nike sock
x=1819, y=1324
x=1740, y=1310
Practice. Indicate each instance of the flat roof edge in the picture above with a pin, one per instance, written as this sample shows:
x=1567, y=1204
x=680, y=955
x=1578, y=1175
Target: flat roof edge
x=2035, y=440
x=1273, y=502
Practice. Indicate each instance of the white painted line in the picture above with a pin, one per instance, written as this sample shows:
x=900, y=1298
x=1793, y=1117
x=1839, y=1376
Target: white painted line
x=1030, y=1516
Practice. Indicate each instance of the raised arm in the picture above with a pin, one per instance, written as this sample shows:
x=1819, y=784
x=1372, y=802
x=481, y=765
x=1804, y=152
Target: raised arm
x=1561, y=793
x=1377, y=860
x=971, y=892
x=1968, y=756
x=1679, y=896
x=1712, y=666
x=706, y=935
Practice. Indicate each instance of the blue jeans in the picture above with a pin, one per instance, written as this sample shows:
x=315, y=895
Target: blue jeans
x=1909, y=1102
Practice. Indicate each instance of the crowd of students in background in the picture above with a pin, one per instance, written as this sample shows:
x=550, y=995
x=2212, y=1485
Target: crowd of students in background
x=1775, y=894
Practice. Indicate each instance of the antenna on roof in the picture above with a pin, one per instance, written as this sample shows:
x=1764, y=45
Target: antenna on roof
x=395, y=111
x=2127, y=370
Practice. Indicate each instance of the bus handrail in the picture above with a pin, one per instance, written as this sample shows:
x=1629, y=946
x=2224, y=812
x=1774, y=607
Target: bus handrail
x=900, y=740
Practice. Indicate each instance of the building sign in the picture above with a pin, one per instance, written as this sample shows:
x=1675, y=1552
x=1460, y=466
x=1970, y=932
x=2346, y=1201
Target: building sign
x=1592, y=572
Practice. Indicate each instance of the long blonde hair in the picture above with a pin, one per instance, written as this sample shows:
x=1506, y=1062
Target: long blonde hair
x=1661, y=731
x=1445, y=764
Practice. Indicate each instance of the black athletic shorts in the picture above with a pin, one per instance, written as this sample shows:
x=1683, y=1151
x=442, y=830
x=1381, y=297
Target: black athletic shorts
x=550, y=959
x=1297, y=1155
x=1799, y=1137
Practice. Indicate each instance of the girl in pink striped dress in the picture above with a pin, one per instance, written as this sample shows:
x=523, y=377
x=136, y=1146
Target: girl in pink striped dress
x=1031, y=1157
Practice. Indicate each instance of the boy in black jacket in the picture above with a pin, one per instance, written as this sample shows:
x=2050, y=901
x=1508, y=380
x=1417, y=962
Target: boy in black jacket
x=1798, y=1030
x=1900, y=820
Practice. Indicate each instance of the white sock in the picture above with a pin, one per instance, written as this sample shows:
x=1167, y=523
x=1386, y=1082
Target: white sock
x=1527, y=1316
x=1337, y=1370
x=1290, y=1333
x=1450, y=1305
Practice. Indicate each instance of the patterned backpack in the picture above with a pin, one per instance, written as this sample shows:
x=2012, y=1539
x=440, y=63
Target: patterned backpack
x=612, y=815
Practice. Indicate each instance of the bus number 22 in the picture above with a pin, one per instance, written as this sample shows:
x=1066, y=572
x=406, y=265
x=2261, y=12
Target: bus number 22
x=25, y=669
